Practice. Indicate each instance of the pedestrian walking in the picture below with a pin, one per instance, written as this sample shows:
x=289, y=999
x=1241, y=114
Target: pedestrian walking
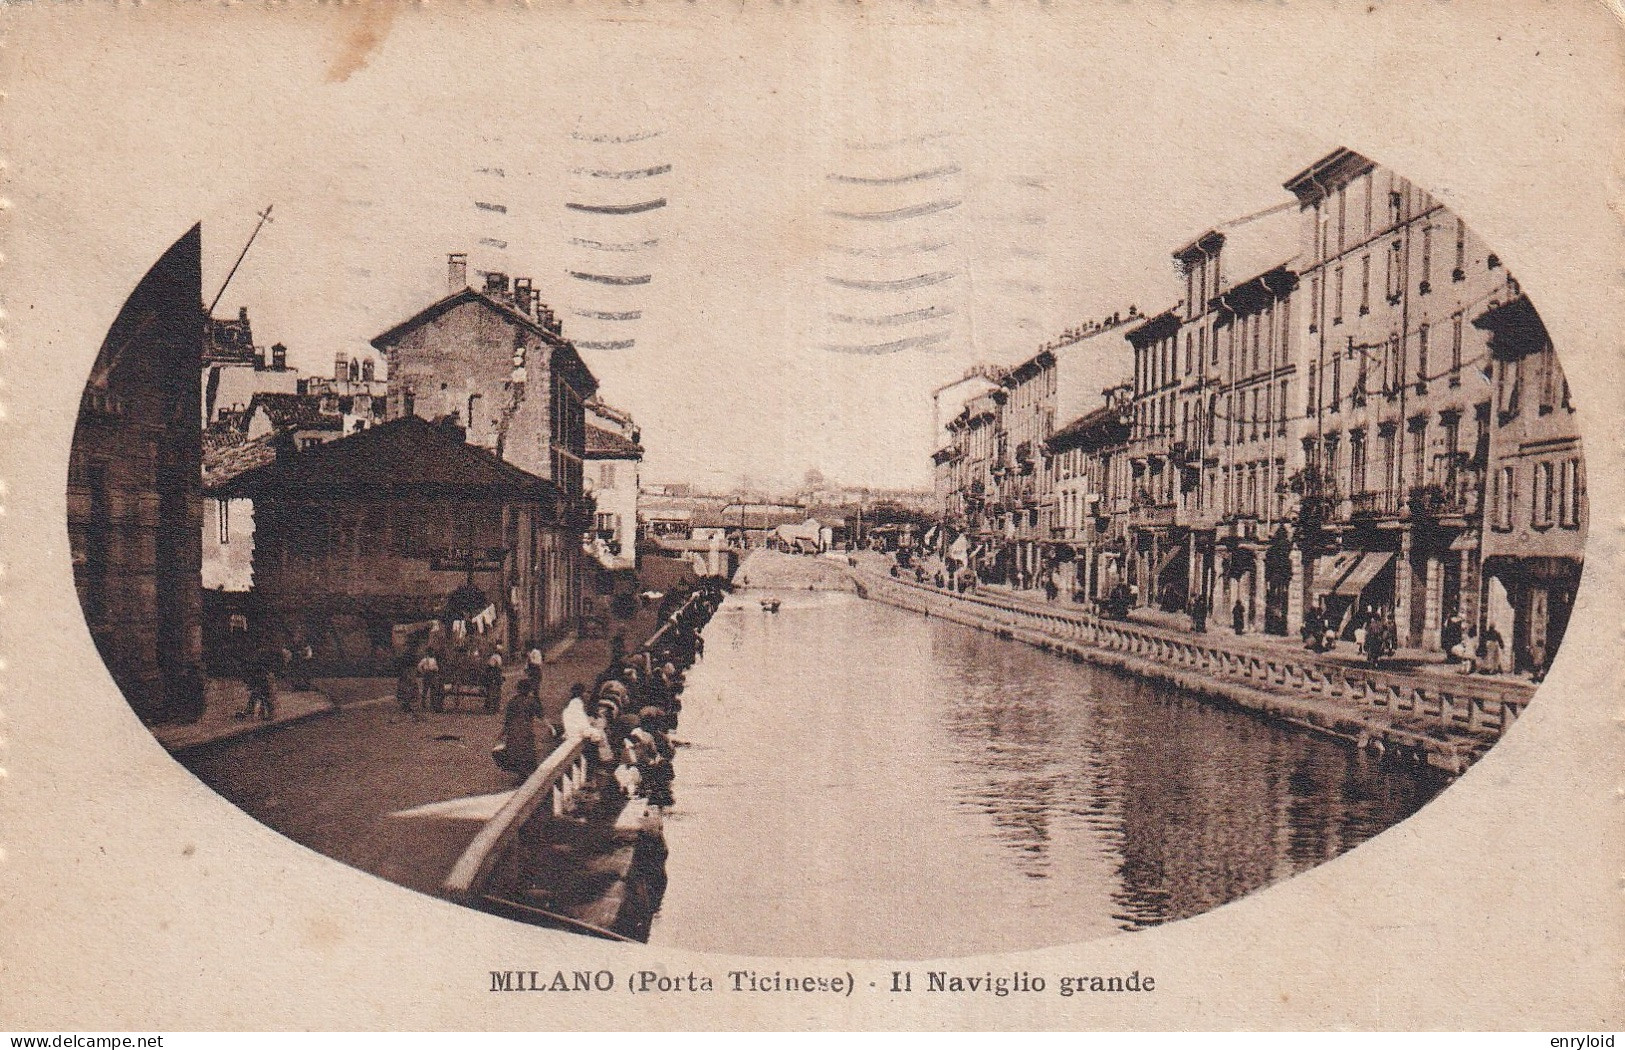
x=1238, y=617
x=1492, y=650
x=1538, y=661
x=1376, y=639
x=259, y=679
x=492, y=682
x=299, y=675
x=430, y=697
x=407, y=688
x=1198, y=612
x=517, y=749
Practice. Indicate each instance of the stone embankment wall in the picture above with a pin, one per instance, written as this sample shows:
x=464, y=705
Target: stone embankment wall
x=1446, y=721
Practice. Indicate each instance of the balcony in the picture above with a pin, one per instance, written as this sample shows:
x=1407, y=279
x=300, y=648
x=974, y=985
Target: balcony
x=1457, y=498
x=1373, y=504
x=1152, y=516
x=1151, y=445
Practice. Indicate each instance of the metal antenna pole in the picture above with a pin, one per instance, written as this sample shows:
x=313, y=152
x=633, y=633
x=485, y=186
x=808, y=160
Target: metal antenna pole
x=265, y=217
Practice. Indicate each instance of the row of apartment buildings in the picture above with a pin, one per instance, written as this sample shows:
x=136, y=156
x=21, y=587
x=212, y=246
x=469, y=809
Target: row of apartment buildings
x=1351, y=406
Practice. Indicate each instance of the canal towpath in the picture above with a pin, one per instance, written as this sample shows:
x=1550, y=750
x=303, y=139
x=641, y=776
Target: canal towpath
x=1408, y=660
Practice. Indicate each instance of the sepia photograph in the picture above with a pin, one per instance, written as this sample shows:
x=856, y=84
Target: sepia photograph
x=815, y=500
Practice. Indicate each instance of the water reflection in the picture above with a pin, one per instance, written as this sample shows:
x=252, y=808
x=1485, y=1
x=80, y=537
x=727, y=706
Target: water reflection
x=865, y=781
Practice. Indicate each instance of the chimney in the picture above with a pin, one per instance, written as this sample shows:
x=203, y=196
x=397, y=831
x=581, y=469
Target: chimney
x=522, y=295
x=367, y=370
x=496, y=284
x=341, y=366
x=355, y=370
x=456, y=272
x=279, y=357
x=242, y=314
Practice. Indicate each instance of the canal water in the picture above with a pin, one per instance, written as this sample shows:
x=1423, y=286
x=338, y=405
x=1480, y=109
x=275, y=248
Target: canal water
x=857, y=780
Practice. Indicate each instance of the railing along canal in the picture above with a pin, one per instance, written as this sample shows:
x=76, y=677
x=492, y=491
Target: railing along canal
x=553, y=784
x=1459, y=702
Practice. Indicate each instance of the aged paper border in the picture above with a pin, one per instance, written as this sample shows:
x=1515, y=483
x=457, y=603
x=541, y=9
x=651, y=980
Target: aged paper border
x=131, y=897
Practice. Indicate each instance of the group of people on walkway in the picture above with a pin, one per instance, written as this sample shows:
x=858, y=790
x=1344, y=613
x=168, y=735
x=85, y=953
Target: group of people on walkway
x=425, y=674
x=258, y=666
x=627, y=716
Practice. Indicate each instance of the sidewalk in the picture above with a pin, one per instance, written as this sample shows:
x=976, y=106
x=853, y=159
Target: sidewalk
x=1404, y=661
x=223, y=699
x=354, y=786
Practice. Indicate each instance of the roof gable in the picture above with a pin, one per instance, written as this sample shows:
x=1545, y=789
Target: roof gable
x=563, y=352
x=440, y=308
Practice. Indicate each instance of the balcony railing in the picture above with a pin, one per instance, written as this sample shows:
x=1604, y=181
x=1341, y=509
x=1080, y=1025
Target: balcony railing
x=1152, y=516
x=1378, y=503
x=1458, y=497
x=1151, y=445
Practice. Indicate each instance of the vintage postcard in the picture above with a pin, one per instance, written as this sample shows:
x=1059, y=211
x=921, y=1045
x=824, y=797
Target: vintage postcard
x=654, y=515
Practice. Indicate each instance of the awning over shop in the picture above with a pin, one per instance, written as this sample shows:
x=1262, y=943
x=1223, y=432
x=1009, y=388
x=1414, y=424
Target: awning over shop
x=1359, y=578
x=1330, y=571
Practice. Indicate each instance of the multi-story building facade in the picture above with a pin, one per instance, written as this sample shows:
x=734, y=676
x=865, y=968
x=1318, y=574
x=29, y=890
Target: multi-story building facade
x=613, y=459
x=1239, y=503
x=1395, y=410
x=134, y=493
x=1536, y=513
x=974, y=449
x=1087, y=463
x=494, y=362
x=1026, y=419
x=1158, y=558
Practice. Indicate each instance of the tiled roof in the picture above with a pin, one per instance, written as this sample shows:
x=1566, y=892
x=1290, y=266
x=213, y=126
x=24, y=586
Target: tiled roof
x=399, y=456
x=295, y=412
x=227, y=453
x=607, y=444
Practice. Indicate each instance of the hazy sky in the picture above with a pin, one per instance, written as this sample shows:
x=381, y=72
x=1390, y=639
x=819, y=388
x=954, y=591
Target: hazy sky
x=982, y=199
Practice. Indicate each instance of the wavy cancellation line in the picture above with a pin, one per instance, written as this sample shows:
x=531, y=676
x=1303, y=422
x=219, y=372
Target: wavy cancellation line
x=604, y=278
x=891, y=251
x=615, y=246
x=610, y=315
x=923, y=280
x=636, y=136
x=889, y=320
x=912, y=342
x=634, y=173
x=897, y=180
x=912, y=211
x=608, y=344
x=618, y=209
x=906, y=140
